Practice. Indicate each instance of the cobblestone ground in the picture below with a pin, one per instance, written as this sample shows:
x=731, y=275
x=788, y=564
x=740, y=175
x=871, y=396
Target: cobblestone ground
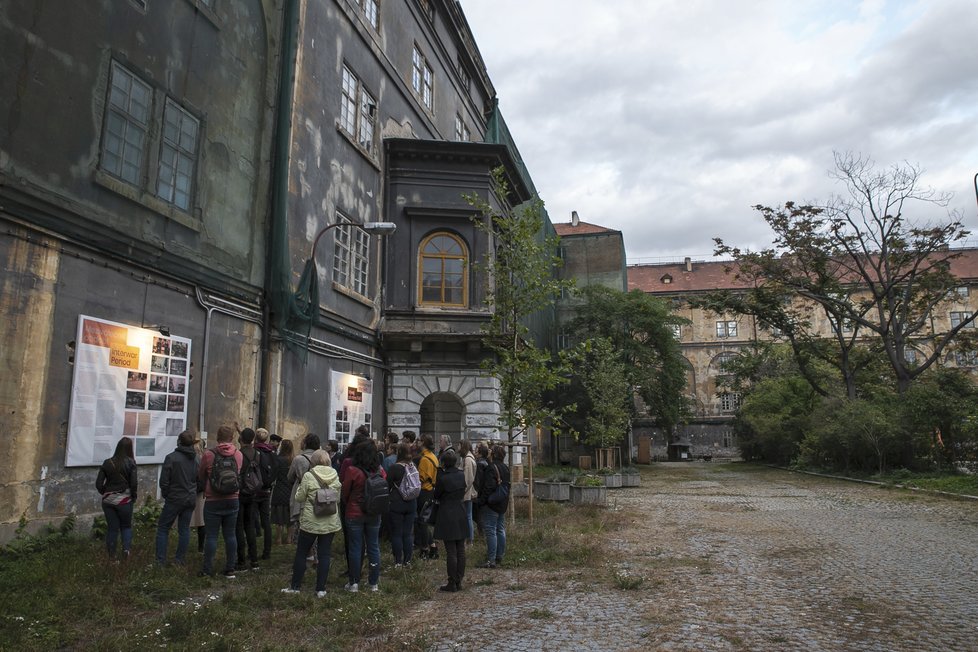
x=743, y=559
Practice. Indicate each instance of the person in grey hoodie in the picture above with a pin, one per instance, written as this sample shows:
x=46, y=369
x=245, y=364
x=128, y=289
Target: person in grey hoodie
x=178, y=486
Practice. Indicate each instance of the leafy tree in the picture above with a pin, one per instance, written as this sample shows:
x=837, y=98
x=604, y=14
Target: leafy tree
x=604, y=379
x=774, y=418
x=523, y=281
x=864, y=262
x=941, y=409
x=639, y=328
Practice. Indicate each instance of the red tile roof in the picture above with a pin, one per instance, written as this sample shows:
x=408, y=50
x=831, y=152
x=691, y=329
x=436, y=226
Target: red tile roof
x=565, y=229
x=713, y=275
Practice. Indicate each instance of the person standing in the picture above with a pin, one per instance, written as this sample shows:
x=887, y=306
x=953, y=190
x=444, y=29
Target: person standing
x=428, y=471
x=468, y=469
x=116, y=481
x=282, y=491
x=248, y=501
x=313, y=529
x=493, y=514
x=219, y=473
x=263, y=500
x=451, y=524
x=300, y=464
x=362, y=529
x=178, y=487
x=481, y=464
x=403, y=510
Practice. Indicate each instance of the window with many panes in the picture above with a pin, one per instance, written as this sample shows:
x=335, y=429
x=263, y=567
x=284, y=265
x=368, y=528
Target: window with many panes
x=351, y=256
x=461, y=130
x=961, y=291
x=422, y=78
x=726, y=329
x=369, y=8
x=136, y=133
x=958, y=318
x=729, y=401
x=443, y=262
x=966, y=358
x=563, y=341
x=358, y=111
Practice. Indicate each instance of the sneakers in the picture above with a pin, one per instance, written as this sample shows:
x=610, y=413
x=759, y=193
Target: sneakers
x=396, y=566
x=374, y=588
x=488, y=564
x=290, y=590
x=352, y=588
x=255, y=566
x=320, y=594
x=229, y=574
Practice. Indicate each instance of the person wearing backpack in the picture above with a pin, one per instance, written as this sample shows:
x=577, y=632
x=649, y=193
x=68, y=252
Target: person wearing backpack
x=315, y=528
x=300, y=464
x=220, y=475
x=361, y=518
x=404, y=485
x=451, y=523
x=252, y=488
x=494, y=500
x=263, y=499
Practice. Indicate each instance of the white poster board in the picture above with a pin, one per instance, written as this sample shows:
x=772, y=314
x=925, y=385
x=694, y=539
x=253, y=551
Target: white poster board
x=127, y=381
x=350, y=398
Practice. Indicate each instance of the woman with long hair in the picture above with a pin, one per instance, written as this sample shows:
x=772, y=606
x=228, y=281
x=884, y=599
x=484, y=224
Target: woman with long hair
x=361, y=528
x=116, y=481
x=281, y=491
x=451, y=522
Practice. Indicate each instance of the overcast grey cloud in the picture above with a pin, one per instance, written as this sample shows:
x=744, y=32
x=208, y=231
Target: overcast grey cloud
x=669, y=120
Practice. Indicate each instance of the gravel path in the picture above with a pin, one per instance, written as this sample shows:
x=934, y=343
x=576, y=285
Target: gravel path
x=740, y=558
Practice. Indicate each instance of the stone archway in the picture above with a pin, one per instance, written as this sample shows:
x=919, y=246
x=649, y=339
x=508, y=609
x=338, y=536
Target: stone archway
x=443, y=413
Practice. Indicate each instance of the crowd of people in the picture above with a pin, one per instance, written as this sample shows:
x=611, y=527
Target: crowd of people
x=259, y=491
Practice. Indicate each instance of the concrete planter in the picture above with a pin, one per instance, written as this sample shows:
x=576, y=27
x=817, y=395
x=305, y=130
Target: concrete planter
x=556, y=491
x=613, y=481
x=631, y=480
x=589, y=495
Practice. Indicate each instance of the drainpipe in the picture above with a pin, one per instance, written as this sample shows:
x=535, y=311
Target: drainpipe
x=280, y=194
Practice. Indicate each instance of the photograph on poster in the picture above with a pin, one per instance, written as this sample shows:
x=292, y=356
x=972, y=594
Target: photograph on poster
x=178, y=367
x=174, y=427
x=161, y=364
x=136, y=380
x=146, y=447
x=177, y=385
x=142, y=424
x=136, y=400
x=129, y=425
x=174, y=403
x=161, y=345
x=178, y=349
x=157, y=383
x=157, y=402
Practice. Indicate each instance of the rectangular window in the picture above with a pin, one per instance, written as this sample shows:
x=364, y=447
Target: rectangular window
x=729, y=401
x=726, y=329
x=358, y=111
x=461, y=130
x=126, y=126
x=961, y=291
x=427, y=9
x=966, y=358
x=422, y=78
x=369, y=8
x=677, y=330
x=958, y=318
x=563, y=341
x=910, y=355
x=463, y=73
x=178, y=156
x=351, y=256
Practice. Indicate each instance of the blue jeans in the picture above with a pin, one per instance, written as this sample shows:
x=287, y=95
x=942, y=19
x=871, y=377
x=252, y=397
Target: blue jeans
x=181, y=514
x=357, y=529
x=494, y=527
x=118, y=521
x=220, y=515
x=468, y=513
x=402, y=536
x=324, y=543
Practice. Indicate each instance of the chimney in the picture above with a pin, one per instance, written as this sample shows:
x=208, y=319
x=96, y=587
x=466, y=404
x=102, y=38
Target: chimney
x=689, y=263
x=575, y=220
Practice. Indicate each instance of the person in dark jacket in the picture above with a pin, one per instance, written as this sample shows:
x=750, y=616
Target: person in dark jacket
x=493, y=516
x=116, y=481
x=282, y=491
x=363, y=530
x=452, y=521
x=178, y=486
x=401, y=512
x=263, y=500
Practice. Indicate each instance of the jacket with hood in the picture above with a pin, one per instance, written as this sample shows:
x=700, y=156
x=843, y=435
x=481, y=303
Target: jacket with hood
x=207, y=463
x=178, y=477
x=305, y=495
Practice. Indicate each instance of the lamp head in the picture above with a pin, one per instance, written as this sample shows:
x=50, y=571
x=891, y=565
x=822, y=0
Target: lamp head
x=379, y=228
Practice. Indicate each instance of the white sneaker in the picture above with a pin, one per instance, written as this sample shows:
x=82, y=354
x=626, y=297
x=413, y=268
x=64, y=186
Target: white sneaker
x=320, y=594
x=290, y=590
x=398, y=565
x=352, y=588
x=374, y=588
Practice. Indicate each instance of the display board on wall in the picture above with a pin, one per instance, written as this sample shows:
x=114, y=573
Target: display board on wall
x=127, y=381
x=349, y=405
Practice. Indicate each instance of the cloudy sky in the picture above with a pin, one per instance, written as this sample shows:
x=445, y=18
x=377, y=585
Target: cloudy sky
x=669, y=119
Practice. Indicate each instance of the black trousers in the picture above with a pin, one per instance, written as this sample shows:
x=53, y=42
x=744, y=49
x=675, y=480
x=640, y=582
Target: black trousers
x=455, y=559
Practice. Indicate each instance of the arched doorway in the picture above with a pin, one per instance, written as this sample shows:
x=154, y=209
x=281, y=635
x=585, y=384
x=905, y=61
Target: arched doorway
x=442, y=413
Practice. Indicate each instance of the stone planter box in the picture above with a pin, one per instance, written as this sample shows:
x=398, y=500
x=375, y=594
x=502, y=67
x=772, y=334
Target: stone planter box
x=519, y=489
x=557, y=491
x=631, y=480
x=613, y=481
x=589, y=495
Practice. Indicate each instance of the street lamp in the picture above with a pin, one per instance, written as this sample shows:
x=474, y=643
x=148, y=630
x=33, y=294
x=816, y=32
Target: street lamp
x=377, y=228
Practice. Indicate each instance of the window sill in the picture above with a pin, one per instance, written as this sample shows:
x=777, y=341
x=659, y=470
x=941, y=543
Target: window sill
x=356, y=296
x=147, y=200
x=365, y=153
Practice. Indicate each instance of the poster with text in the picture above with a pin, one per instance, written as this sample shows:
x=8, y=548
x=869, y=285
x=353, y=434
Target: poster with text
x=349, y=405
x=127, y=381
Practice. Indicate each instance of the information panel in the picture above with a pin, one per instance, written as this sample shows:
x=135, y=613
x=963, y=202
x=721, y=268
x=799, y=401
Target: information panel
x=127, y=381
x=349, y=405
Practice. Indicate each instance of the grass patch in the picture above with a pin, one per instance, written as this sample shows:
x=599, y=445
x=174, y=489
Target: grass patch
x=540, y=614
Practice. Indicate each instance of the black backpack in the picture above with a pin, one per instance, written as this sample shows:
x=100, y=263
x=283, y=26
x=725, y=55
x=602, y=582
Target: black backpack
x=376, y=494
x=252, y=478
x=224, y=474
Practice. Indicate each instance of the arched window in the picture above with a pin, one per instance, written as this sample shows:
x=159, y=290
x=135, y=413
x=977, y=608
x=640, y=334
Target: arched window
x=443, y=279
